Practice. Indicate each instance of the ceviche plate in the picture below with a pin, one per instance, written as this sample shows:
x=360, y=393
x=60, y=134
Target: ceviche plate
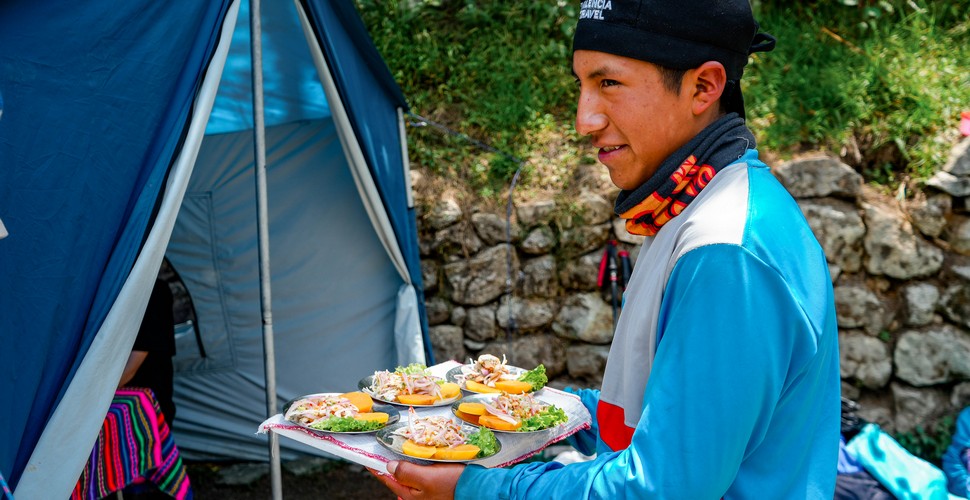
x=393, y=414
x=456, y=375
x=366, y=385
x=490, y=399
x=393, y=441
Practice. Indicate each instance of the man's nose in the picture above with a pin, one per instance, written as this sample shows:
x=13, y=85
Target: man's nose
x=589, y=117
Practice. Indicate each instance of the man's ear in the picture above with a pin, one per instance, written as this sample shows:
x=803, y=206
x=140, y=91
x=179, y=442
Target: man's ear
x=708, y=81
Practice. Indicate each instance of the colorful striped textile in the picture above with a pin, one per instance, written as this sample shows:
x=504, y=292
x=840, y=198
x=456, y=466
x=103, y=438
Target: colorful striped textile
x=5, y=492
x=135, y=445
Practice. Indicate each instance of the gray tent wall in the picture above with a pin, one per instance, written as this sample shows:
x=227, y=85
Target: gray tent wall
x=344, y=302
x=343, y=305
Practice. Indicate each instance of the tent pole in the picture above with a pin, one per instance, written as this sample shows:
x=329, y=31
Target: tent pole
x=259, y=140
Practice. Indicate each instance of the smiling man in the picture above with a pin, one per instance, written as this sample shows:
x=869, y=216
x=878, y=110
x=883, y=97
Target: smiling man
x=723, y=376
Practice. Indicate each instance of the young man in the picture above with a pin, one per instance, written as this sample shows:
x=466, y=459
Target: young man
x=956, y=460
x=723, y=377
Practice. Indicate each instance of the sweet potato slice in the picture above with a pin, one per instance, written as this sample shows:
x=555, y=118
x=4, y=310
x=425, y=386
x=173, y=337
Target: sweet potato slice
x=473, y=386
x=513, y=386
x=361, y=400
x=493, y=422
x=416, y=399
x=372, y=417
x=472, y=408
x=416, y=450
x=449, y=390
x=467, y=417
x=460, y=452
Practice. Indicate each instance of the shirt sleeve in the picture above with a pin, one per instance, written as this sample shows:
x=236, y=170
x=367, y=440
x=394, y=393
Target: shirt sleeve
x=585, y=440
x=953, y=466
x=726, y=328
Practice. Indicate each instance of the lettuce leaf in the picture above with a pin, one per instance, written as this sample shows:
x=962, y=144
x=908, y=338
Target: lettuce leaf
x=551, y=416
x=413, y=369
x=485, y=440
x=346, y=424
x=537, y=377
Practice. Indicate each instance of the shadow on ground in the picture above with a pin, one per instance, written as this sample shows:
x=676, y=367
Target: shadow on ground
x=313, y=478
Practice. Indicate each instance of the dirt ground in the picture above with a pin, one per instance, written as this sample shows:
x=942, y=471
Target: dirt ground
x=324, y=479
x=311, y=478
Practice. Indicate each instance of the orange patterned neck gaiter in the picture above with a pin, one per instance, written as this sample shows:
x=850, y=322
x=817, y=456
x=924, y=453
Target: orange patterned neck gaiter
x=646, y=218
x=677, y=182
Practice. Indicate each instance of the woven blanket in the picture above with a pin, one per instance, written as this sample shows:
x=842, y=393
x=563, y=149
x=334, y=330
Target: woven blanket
x=134, y=445
x=5, y=492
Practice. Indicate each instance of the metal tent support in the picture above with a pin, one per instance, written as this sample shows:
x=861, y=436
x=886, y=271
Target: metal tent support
x=265, y=298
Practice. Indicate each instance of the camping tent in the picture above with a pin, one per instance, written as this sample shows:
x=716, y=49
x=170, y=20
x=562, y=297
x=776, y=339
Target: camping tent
x=127, y=131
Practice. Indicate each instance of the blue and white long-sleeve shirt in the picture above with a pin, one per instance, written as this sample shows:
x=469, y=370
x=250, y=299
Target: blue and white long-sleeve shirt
x=954, y=460
x=723, y=375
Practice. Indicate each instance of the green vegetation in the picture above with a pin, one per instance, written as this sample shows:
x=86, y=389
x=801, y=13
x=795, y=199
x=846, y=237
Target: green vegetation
x=886, y=81
x=537, y=377
x=929, y=444
x=882, y=82
x=489, y=69
x=550, y=416
x=485, y=440
x=346, y=424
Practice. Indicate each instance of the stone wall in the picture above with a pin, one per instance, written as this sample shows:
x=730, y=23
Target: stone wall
x=900, y=267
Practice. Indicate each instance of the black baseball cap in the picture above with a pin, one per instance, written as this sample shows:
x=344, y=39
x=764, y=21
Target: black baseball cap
x=678, y=35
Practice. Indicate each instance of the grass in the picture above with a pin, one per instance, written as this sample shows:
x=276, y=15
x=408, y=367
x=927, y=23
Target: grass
x=884, y=84
x=492, y=70
x=881, y=83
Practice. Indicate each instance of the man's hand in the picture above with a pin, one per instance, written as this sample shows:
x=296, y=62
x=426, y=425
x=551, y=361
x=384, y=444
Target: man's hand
x=409, y=480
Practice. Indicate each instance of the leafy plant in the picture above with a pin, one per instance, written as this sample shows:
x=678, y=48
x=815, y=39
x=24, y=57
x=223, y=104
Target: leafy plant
x=881, y=81
x=485, y=68
x=884, y=78
x=929, y=444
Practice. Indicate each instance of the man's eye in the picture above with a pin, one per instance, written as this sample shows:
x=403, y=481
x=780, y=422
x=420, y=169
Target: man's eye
x=609, y=83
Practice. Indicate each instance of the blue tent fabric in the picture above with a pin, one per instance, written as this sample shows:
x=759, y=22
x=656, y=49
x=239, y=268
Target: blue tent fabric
x=97, y=95
x=291, y=92
x=368, y=90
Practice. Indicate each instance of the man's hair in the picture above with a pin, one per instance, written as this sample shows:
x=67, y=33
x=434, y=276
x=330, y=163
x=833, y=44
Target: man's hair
x=672, y=78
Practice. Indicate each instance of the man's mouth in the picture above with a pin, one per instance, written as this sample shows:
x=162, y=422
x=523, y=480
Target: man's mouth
x=606, y=153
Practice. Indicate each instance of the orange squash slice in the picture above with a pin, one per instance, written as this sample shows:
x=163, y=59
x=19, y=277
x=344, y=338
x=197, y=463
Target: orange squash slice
x=472, y=408
x=467, y=417
x=460, y=452
x=361, y=400
x=416, y=399
x=449, y=390
x=493, y=422
x=372, y=417
x=416, y=450
x=473, y=386
x=513, y=386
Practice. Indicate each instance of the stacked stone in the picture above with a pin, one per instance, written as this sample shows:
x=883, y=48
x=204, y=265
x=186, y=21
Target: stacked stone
x=549, y=308
x=902, y=292
x=900, y=269
x=954, y=178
